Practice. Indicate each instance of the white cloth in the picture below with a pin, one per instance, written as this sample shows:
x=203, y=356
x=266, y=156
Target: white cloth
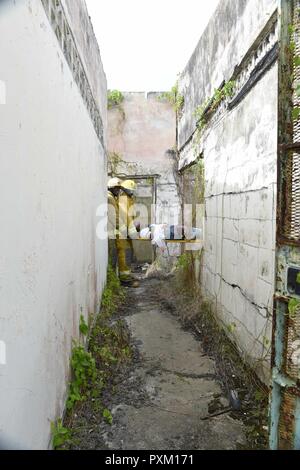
x=159, y=233
x=146, y=233
x=156, y=233
x=158, y=236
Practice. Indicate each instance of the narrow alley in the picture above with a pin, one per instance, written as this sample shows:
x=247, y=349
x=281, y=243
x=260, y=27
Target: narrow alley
x=171, y=389
x=170, y=395
x=150, y=225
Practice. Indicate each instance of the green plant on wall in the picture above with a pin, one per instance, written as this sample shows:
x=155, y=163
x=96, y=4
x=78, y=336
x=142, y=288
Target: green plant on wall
x=231, y=327
x=200, y=115
x=174, y=98
x=210, y=104
x=114, y=98
x=83, y=326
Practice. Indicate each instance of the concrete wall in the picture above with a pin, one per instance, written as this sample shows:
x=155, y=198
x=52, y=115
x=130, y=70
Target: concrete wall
x=53, y=178
x=239, y=148
x=142, y=131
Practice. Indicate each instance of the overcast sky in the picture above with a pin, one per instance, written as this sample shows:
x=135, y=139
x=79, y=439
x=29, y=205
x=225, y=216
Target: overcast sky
x=145, y=44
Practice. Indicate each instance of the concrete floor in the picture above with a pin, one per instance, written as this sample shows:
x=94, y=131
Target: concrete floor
x=171, y=388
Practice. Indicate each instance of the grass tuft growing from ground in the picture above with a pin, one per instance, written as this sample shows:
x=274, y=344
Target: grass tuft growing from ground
x=93, y=368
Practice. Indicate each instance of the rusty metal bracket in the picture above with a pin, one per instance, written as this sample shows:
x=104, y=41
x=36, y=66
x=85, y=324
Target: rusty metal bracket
x=287, y=147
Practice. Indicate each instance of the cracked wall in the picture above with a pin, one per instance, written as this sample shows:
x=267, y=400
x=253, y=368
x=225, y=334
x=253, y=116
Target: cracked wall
x=239, y=147
x=53, y=168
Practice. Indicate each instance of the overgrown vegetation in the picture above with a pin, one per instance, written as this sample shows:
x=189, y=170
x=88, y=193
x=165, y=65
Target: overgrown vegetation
x=210, y=105
x=174, y=98
x=93, y=368
x=183, y=295
x=185, y=272
x=293, y=308
x=84, y=374
x=114, y=98
x=83, y=326
x=60, y=434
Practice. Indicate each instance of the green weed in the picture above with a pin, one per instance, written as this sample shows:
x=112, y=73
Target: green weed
x=92, y=369
x=60, y=434
x=107, y=416
x=114, y=98
x=84, y=374
x=293, y=307
x=174, y=98
x=83, y=327
x=210, y=104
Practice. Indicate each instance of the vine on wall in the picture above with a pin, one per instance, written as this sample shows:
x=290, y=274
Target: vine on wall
x=203, y=112
x=174, y=98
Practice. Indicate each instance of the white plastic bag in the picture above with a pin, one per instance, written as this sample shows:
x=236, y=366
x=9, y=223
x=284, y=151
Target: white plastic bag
x=146, y=233
x=158, y=236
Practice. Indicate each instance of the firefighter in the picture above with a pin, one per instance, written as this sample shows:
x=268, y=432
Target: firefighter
x=127, y=231
x=114, y=188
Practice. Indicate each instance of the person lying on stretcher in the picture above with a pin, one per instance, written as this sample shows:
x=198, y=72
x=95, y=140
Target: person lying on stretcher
x=160, y=233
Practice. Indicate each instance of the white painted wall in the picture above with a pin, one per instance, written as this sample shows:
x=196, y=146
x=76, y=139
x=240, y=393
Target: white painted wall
x=52, y=266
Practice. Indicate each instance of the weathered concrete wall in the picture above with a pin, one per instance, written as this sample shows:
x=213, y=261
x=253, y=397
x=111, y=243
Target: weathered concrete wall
x=239, y=148
x=142, y=131
x=232, y=31
x=88, y=48
x=53, y=178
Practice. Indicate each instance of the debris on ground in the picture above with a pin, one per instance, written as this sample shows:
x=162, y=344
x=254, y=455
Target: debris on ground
x=161, y=385
x=247, y=395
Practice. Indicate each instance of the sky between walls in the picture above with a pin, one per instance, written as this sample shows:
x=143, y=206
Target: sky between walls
x=145, y=44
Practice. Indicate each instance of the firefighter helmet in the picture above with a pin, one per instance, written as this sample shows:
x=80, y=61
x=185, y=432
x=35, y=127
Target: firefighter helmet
x=114, y=183
x=129, y=185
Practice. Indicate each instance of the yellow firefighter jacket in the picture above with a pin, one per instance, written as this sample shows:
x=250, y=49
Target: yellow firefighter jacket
x=127, y=215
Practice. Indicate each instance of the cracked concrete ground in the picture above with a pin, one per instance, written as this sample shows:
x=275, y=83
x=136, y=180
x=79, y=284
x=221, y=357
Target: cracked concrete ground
x=167, y=400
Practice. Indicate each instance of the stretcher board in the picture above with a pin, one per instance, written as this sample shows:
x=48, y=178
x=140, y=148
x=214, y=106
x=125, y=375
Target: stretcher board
x=170, y=241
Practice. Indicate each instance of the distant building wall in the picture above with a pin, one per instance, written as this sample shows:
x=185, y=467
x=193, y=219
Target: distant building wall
x=238, y=146
x=142, y=133
x=53, y=178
